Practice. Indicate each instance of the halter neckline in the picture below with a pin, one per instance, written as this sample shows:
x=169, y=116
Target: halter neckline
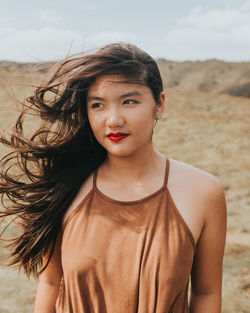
x=139, y=201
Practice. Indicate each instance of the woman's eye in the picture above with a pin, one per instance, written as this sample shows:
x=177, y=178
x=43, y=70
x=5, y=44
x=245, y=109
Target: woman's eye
x=96, y=105
x=130, y=101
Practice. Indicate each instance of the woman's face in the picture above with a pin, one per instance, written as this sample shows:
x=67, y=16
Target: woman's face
x=122, y=115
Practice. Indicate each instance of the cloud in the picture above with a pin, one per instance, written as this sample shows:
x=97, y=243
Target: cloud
x=38, y=45
x=245, y=6
x=51, y=17
x=51, y=43
x=100, y=39
x=91, y=6
x=216, y=33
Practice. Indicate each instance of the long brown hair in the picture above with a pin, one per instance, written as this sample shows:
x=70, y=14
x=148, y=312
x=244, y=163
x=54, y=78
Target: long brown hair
x=55, y=160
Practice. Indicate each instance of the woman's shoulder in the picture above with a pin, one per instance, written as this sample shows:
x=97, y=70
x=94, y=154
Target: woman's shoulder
x=192, y=177
x=198, y=194
x=83, y=192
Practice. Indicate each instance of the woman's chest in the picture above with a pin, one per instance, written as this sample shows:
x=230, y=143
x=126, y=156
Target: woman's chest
x=156, y=249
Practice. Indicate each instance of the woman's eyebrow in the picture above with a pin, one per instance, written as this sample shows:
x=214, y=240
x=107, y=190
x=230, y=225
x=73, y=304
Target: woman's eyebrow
x=129, y=94
x=95, y=98
x=132, y=93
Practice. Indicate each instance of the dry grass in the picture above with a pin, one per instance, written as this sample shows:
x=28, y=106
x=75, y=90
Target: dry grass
x=242, y=90
x=212, y=132
x=209, y=75
x=206, y=130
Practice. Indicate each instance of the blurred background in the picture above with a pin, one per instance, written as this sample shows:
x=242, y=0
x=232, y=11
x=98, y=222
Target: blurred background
x=203, y=52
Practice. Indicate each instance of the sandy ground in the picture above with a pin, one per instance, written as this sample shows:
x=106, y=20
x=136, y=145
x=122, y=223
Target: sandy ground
x=206, y=130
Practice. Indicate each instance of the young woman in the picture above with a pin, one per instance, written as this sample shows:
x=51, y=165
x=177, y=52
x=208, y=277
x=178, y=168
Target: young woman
x=108, y=223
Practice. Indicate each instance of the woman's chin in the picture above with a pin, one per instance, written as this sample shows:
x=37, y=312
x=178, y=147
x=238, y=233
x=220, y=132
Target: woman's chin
x=120, y=151
x=120, y=154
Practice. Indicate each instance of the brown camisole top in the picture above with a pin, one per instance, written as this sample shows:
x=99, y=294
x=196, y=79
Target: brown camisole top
x=126, y=256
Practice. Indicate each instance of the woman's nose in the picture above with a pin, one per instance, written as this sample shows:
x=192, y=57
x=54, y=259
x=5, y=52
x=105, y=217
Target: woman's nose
x=115, y=119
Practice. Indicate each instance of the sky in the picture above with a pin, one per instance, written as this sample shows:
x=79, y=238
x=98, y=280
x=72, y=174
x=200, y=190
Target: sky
x=35, y=31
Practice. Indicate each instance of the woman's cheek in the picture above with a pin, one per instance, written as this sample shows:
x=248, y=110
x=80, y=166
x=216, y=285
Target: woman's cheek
x=94, y=123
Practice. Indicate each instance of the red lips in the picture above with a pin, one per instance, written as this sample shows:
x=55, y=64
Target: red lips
x=117, y=136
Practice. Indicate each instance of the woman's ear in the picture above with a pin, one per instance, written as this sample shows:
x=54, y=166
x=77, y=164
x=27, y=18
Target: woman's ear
x=160, y=107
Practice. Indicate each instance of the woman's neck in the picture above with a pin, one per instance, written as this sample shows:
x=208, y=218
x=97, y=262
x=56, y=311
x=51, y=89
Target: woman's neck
x=132, y=167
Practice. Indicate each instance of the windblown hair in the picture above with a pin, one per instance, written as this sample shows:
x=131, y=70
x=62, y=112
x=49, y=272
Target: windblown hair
x=57, y=158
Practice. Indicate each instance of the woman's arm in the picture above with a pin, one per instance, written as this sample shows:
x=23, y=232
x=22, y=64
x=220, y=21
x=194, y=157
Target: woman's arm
x=206, y=277
x=49, y=282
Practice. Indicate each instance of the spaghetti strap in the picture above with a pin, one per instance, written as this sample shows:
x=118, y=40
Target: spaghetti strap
x=166, y=172
x=95, y=178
